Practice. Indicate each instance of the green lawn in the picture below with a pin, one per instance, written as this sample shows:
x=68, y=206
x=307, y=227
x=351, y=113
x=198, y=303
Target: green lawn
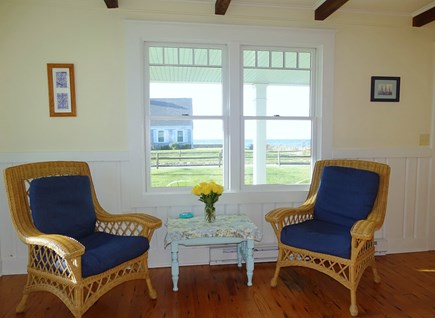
x=190, y=176
x=188, y=167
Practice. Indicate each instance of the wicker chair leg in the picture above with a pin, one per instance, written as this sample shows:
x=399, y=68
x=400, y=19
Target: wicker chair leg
x=274, y=280
x=151, y=291
x=376, y=276
x=353, y=306
x=22, y=305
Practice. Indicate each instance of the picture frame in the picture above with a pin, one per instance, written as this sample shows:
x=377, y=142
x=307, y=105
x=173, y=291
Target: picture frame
x=61, y=90
x=385, y=89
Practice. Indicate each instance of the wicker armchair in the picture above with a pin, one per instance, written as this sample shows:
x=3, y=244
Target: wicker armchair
x=319, y=234
x=82, y=268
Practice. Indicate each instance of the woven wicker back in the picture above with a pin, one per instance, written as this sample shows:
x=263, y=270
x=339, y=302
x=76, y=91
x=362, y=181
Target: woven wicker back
x=17, y=180
x=379, y=209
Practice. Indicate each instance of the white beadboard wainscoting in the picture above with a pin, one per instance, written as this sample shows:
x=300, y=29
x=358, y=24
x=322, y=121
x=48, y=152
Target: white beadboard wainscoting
x=409, y=224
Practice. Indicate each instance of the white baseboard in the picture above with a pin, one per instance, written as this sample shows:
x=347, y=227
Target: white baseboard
x=14, y=266
x=268, y=253
x=406, y=245
x=381, y=247
x=228, y=254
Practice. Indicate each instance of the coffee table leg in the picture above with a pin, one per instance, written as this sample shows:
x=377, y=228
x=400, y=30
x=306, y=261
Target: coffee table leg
x=174, y=265
x=250, y=260
x=239, y=254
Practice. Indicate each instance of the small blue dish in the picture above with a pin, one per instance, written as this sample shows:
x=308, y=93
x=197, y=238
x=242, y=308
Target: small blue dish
x=186, y=215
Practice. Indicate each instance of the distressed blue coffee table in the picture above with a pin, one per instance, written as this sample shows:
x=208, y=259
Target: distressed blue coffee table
x=227, y=229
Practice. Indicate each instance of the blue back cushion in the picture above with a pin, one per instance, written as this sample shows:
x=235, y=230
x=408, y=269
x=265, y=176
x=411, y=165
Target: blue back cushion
x=345, y=195
x=63, y=205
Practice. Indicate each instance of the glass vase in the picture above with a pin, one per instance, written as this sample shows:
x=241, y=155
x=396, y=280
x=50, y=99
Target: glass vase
x=210, y=213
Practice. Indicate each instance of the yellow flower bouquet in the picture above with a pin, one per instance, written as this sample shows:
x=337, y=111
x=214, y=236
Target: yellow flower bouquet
x=209, y=193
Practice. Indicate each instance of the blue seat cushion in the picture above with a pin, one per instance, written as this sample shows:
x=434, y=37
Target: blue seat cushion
x=104, y=251
x=345, y=195
x=318, y=236
x=62, y=205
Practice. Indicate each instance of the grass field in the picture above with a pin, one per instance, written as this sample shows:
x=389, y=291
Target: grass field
x=213, y=156
x=188, y=167
x=190, y=176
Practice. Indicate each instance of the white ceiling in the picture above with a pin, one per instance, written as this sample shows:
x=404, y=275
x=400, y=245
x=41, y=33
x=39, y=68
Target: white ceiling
x=387, y=7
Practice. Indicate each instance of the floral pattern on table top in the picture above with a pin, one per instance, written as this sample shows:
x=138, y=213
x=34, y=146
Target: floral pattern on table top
x=234, y=225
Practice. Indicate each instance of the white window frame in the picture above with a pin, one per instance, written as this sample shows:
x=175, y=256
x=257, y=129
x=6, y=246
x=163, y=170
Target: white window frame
x=234, y=37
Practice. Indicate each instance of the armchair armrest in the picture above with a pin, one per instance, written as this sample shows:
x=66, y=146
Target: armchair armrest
x=363, y=230
x=281, y=217
x=128, y=224
x=56, y=255
x=66, y=247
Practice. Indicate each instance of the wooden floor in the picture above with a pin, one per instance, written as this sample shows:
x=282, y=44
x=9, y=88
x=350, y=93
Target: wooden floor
x=407, y=289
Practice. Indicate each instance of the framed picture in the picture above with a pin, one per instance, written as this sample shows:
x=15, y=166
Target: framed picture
x=61, y=90
x=385, y=89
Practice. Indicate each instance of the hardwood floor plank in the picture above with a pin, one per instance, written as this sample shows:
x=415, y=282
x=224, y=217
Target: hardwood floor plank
x=407, y=289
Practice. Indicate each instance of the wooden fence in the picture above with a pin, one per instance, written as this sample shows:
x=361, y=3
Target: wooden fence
x=183, y=158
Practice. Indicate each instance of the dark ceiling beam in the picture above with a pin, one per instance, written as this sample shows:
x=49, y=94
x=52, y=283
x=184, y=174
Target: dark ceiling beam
x=221, y=6
x=111, y=4
x=424, y=18
x=327, y=8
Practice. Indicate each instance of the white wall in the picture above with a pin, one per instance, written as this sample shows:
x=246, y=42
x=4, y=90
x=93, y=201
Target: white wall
x=36, y=32
x=84, y=32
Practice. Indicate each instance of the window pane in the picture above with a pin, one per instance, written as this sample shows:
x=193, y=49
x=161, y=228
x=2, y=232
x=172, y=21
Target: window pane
x=277, y=152
x=183, y=149
x=186, y=56
x=161, y=136
x=201, y=57
x=249, y=58
x=291, y=59
x=263, y=58
x=156, y=55
x=197, y=159
x=215, y=57
x=180, y=136
x=186, y=99
x=277, y=59
x=271, y=100
x=279, y=88
x=304, y=60
x=170, y=55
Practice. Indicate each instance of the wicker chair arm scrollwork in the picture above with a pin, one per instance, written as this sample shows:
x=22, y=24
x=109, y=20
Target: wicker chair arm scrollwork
x=280, y=217
x=128, y=224
x=66, y=247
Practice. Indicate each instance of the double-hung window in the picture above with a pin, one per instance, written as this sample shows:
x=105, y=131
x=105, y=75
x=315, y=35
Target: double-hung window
x=277, y=115
x=244, y=107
